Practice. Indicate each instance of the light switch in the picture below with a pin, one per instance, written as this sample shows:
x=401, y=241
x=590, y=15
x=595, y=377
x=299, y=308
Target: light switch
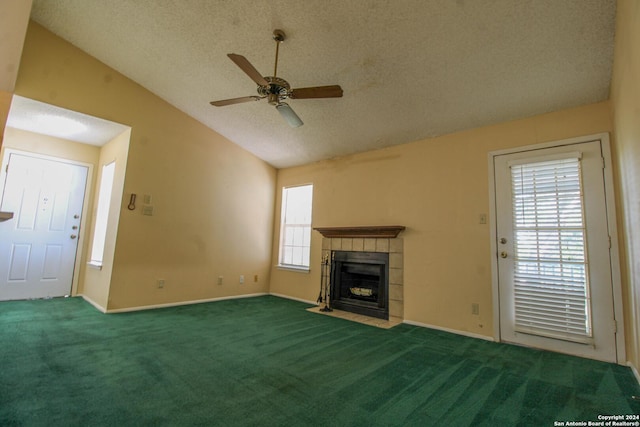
x=147, y=199
x=147, y=210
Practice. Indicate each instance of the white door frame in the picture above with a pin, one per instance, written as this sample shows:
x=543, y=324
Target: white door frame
x=611, y=224
x=6, y=154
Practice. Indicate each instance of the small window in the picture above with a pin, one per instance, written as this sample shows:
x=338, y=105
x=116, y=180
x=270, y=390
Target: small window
x=102, y=215
x=295, y=229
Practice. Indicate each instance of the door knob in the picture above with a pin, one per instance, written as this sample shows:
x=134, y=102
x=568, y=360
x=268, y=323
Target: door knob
x=503, y=254
x=73, y=236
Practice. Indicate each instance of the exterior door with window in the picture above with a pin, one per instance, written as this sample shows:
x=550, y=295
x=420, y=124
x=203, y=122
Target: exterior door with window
x=554, y=266
x=38, y=246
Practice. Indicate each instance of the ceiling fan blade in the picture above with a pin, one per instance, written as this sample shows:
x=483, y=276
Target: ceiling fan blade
x=249, y=69
x=232, y=101
x=289, y=115
x=333, y=91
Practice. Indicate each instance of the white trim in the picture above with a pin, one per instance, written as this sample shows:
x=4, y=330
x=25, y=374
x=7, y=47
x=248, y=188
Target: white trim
x=283, y=209
x=493, y=233
x=635, y=371
x=293, y=298
x=611, y=222
x=95, y=265
x=547, y=158
x=452, y=331
x=550, y=144
x=180, y=303
x=293, y=268
x=614, y=255
x=93, y=303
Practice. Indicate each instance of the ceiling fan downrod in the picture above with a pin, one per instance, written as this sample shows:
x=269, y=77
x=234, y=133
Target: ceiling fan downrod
x=278, y=36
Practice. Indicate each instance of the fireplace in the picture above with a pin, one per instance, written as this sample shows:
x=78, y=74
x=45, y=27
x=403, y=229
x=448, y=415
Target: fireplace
x=382, y=240
x=360, y=282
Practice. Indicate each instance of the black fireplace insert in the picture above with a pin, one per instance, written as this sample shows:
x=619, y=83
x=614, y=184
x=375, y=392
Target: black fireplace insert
x=360, y=283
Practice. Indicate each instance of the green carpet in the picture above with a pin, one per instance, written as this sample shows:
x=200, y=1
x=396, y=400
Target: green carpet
x=267, y=362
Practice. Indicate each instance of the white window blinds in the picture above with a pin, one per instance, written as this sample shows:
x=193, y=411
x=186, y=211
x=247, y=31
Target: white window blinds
x=550, y=261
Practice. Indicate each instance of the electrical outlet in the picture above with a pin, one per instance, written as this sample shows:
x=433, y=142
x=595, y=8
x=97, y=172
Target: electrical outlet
x=160, y=283
x=482, y=218
x=219, y=280
x=475, y=308
x=241, y=279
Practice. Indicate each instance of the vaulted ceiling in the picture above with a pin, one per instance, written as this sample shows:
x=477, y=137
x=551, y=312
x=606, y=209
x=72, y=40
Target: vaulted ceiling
x=410, y=69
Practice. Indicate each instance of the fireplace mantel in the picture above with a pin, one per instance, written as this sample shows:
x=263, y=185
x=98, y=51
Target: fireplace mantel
x=375, y=231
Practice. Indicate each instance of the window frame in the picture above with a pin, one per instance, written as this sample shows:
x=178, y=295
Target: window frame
x=103, y=207
x=306, y=237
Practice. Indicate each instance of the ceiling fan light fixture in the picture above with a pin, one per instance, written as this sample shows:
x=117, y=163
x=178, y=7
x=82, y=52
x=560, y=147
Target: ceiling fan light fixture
x=273, y=99
x=289, y=115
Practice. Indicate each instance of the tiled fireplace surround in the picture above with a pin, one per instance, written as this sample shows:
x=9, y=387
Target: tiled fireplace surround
x=393, y=246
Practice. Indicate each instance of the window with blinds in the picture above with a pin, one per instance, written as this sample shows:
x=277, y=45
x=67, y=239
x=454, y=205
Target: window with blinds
x=551, y=287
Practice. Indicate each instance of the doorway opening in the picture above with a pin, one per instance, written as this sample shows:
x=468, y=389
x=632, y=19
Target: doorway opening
x=58, y=146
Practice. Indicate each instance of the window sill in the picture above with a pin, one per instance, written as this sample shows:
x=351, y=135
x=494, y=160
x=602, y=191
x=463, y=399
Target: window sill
x=95, y=265
x=293, y=268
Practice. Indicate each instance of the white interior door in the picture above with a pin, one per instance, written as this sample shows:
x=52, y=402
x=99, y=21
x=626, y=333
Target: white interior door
x=554, y=266
x=38, y=246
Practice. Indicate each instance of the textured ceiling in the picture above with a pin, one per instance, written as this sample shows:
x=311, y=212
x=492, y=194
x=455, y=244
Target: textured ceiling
x=38, y=117
x=410, y=69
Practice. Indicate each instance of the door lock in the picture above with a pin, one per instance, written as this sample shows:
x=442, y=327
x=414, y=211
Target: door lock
x=503, y=240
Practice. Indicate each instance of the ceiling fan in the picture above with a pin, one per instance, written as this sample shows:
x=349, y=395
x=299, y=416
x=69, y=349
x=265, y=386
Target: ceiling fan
x=276, y=89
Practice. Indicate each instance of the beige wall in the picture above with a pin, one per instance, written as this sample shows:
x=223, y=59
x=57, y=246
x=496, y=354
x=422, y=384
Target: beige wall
x=625, y=96
x=14, y=16
x=437, y=188
x=51, y=146
x=213, y=200
x=5, y=106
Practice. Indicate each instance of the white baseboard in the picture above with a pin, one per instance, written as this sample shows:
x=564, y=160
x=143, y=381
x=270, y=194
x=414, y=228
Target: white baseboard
x=93, y=303
x=453, y=331
x=635, y=371
x=179, y=303
x=293, y=298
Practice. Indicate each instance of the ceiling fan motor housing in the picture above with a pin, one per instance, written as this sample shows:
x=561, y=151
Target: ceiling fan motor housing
x=277, y=90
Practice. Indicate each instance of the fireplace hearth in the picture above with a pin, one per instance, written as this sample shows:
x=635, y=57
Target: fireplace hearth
x=360, y=282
